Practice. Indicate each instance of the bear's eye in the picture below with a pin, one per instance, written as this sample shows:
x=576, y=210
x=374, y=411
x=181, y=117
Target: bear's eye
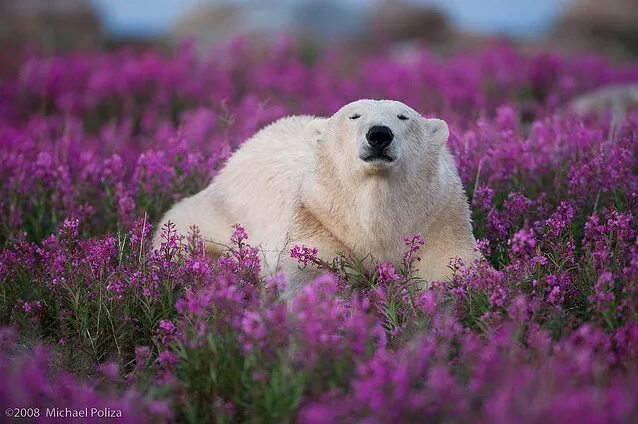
x=355, y=116
x=402, y=117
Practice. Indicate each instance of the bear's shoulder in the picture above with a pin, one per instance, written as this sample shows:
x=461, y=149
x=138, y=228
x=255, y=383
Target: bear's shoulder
x=282, y=140
x=289, y=125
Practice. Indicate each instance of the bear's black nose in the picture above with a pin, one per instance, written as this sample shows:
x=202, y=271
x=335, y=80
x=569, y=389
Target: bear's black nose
x=379, y=137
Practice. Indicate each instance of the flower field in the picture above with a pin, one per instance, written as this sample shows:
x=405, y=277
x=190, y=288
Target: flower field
x=94, y=147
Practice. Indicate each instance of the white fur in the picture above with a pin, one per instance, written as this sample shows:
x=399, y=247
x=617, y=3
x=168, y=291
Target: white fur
x=301, y=180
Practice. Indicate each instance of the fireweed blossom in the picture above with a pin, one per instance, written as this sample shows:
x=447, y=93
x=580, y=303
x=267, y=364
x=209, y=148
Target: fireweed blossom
x=304, y=254
x=94, y=147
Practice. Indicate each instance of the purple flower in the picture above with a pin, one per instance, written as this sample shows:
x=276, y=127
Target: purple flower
x=304, y=254
x=239, y=235
x=386, y=273
x=483, y=198
x=167, y=359
x=142, y=354
x=523, y=242
x=110, y=370
x=413, y=244
x=166, y=332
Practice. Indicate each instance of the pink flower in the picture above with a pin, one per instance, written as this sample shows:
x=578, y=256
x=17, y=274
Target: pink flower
x=239, y=235
x=386, y=273
x=304, y=254
x=523, y=242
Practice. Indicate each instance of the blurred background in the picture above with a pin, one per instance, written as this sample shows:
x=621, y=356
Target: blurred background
x=607, y=27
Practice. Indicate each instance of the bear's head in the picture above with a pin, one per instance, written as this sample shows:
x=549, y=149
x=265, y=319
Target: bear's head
x=378, y=137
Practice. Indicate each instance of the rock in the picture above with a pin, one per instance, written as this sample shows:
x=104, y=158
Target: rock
x=617, y=97
x=50, y=24
x=606, y=27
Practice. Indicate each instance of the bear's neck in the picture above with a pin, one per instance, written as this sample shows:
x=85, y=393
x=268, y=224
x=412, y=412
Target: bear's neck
x=372, y=214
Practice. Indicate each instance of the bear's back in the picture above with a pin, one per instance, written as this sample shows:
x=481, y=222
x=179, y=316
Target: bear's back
x=260, y=183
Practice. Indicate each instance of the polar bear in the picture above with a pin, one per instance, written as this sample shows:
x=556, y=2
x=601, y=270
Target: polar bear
x=355, y=182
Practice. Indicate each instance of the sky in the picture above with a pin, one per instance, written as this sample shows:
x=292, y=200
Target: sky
x=517, y=18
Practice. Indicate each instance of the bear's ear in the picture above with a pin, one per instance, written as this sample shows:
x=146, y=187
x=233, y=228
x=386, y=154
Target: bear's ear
x=436, y=130
x=315, y=129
